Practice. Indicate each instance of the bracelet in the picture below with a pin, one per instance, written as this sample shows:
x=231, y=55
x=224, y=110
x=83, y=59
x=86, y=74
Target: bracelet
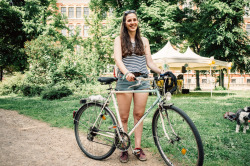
x=124, y=76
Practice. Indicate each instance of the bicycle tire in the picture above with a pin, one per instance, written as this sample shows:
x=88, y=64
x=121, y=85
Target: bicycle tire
x=184, y=149
x=89, y=140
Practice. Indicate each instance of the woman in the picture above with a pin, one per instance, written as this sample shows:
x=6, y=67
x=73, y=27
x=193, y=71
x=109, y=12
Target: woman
x=132, y=56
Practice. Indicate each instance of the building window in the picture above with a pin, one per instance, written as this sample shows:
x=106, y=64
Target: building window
x=86, y=29
x=63, y=11
x=64, y=32
x=78, y=12
x=204, y=81
x=233, y=81
x=248, y=29
x=79, y=29
x=71, y=12
x=189, y=81
x=248, y=81
x=86, y=11
x=71, y=30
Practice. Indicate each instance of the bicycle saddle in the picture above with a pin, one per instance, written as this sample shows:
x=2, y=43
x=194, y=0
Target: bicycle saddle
x=107, y=80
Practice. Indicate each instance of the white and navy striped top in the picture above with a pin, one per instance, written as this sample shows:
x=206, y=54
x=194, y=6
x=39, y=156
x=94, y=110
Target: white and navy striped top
x=135, y=63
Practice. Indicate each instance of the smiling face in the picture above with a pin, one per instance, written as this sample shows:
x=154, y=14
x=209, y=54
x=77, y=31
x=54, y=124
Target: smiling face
x=131, y=22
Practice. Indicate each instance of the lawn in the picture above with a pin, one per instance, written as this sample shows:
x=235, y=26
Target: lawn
x=222, y=146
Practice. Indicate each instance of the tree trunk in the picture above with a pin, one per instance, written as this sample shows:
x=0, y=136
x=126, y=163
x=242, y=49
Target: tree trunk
x=197, y=80
x=1, y=73
x=221, y=79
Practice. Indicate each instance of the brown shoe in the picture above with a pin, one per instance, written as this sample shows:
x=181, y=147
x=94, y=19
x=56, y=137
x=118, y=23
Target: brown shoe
x=124, y=157
x=138, y=152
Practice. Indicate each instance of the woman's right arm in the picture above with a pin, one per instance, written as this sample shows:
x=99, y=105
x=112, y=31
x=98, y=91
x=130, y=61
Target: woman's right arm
x=118, y=59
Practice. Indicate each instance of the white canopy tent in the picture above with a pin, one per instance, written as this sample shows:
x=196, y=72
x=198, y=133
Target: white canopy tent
x=174, y=60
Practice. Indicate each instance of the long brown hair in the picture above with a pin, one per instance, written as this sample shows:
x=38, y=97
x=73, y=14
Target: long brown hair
x=126, y=44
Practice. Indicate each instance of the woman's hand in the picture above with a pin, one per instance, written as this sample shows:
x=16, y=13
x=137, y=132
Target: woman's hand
x=130, y=77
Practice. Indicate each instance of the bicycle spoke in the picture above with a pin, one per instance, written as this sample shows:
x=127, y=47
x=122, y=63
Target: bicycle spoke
x=93, y=135
x=183, y=146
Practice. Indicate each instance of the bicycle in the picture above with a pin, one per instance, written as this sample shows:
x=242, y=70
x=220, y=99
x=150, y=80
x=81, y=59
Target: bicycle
x=99, y=132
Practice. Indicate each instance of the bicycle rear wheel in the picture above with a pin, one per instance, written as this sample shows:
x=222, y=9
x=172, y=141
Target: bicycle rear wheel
x=177, y=138
x=95, y=133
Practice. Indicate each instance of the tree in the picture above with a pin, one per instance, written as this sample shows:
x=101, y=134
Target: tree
x=215, y=29
x=97, y=48
x=158, y=18
x=44, y=55
x=21, y=21
x=222, y=33
x=12, y=38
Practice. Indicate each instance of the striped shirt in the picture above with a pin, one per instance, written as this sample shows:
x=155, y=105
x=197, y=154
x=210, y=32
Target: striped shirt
x=135, y=63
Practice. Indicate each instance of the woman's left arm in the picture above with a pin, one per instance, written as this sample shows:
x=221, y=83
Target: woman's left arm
x=149, y=59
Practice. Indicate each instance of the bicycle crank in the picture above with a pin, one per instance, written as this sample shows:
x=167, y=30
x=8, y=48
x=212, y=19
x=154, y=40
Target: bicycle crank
x=123, y=144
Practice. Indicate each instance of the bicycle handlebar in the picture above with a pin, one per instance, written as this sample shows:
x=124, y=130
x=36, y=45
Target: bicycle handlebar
x=151, y=78
x=164, y=76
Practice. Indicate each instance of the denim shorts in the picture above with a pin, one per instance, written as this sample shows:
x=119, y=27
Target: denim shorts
x=124, y=84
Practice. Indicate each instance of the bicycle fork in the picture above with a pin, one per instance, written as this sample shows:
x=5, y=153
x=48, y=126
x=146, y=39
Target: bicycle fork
x=162, y=109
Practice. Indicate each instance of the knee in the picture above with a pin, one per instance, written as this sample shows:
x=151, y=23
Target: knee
x=124, y=119
x=138, y=115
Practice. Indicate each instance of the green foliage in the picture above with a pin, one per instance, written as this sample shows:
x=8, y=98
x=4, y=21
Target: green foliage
x=21, y=21
x=97, y=49
x=214, y=29
x=159, y=23
x=56, y=92
x=158, y=19
x=12, y=38
x=19, y=84
x=220, y=88
x=29, y=89
x=222, y=34
x=12, y=84
x=44, y=55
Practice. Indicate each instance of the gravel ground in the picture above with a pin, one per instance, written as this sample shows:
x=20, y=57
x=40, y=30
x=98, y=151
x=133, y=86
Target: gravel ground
x=25, y=141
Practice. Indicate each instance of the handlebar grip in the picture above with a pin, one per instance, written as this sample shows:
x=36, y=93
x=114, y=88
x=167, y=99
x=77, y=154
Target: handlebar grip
x=161, y=75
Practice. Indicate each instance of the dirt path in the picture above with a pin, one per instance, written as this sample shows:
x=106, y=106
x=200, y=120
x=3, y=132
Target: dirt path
x=24, y=141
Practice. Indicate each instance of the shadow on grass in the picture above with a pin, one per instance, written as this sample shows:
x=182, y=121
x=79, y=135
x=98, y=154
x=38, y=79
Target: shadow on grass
x=203, y=94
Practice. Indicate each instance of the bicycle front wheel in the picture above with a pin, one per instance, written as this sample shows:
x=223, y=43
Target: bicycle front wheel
x=177, y=138
x=95, y=132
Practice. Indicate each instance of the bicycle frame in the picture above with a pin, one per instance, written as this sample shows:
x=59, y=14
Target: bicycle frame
x=146, y=112
x=120, y=128
x=107, y=123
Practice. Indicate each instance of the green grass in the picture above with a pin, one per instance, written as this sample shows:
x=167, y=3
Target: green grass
x=222, y=146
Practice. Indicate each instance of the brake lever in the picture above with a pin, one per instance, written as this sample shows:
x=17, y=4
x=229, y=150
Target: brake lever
x=139, y=82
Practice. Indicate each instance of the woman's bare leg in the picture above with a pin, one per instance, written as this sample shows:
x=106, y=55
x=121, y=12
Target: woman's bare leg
x=124, y=102
x=140, y=101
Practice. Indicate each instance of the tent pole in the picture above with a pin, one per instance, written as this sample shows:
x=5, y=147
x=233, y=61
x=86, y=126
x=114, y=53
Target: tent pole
x=228, y=76
x=187, y=80
x=211, y=80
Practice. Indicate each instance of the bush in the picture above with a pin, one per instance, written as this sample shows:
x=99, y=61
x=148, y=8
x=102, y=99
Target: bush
x=56, y=92
x=220, y=88
x=11, y=84
x=31, y=89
